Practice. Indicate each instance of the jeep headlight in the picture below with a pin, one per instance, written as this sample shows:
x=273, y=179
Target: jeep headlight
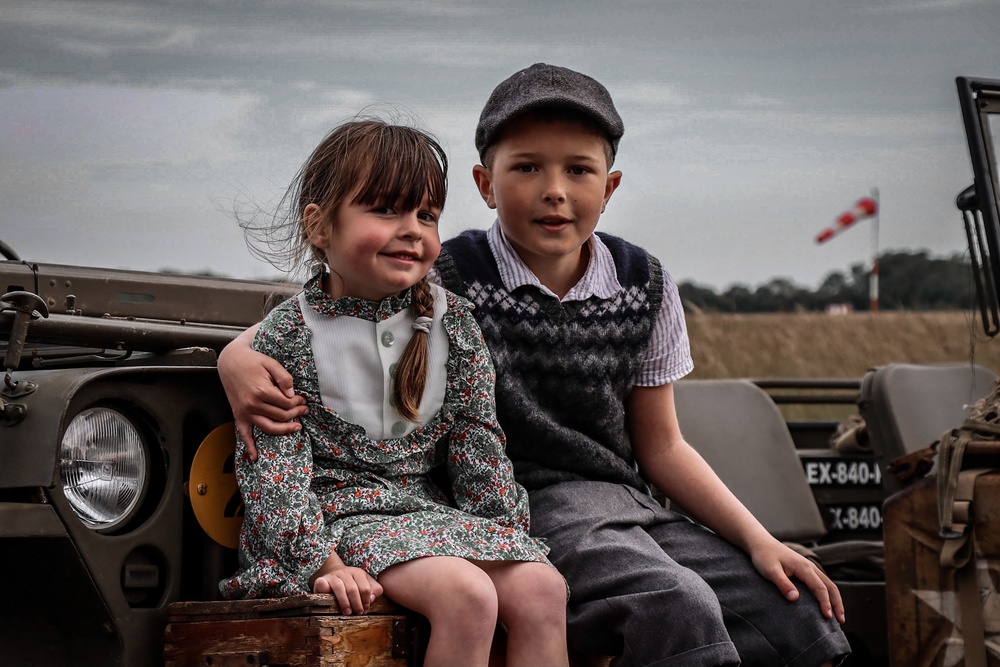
x=103, y=467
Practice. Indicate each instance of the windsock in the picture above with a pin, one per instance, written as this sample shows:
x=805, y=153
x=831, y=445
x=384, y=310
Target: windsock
x=863, y=208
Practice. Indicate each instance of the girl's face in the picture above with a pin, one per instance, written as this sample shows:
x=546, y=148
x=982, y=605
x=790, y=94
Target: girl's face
x=375, y=251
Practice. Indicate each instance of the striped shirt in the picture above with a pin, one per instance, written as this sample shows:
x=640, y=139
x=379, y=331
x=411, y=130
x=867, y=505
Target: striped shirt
x=668, y=356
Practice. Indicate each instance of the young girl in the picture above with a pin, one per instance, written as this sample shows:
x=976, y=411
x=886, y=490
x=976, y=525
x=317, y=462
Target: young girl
x=397, y=481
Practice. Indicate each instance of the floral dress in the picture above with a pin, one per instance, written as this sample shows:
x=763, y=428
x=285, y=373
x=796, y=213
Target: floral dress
x=444, y=489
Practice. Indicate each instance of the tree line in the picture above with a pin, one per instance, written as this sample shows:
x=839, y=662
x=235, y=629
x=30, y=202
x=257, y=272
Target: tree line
x=907, y=281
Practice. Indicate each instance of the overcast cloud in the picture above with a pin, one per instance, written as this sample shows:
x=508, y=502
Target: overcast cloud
x=129, y=129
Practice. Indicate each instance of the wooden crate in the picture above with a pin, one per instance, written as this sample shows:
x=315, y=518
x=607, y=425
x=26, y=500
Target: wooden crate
x=303, y=630
x=924, y=611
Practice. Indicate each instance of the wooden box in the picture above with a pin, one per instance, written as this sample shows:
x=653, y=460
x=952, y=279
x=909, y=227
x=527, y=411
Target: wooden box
x=924, y=613
x=303, y=630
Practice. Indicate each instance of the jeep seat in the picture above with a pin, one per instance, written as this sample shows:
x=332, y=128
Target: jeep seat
x=908, y=407
x=742, y=435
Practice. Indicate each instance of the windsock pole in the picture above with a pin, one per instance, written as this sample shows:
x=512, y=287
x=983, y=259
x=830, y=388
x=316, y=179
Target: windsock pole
x=866, y=207
x=873, y=277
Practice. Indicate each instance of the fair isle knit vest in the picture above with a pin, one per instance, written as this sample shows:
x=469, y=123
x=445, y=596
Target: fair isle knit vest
x=563, y=369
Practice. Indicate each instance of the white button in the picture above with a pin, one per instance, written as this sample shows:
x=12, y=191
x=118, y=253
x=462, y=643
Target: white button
x=388, y=339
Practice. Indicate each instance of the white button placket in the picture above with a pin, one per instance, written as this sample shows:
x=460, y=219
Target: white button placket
x=392, y=334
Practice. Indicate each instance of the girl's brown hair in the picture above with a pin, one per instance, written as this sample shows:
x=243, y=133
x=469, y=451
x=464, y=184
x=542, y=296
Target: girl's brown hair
x=411, y=373
x=371, y=162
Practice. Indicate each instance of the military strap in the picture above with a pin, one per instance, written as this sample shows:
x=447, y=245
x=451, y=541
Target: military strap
x=950, y=454
x=956, y=492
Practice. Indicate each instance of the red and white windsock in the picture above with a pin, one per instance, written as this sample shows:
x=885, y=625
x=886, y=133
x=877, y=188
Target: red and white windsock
x=865, y=207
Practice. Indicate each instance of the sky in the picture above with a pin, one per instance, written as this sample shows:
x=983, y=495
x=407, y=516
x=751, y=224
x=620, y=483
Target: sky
x=135, y=134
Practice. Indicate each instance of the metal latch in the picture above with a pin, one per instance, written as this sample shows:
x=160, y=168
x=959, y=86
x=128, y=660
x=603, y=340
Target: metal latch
x=402, y=639
x=26, y=306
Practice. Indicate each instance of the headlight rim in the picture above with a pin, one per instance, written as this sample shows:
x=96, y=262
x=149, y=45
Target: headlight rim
x=143, y=468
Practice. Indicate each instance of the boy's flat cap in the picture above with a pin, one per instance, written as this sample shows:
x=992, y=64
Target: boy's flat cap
x=544, y=85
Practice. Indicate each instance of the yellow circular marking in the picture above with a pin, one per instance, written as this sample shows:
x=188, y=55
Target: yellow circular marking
x=215, y=496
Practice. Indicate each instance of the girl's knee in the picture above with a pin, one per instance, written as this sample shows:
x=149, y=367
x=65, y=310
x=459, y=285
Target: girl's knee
x=474, y=590
x=549, y=585
x=457, y=598
x=545, y=576
x=444, y=588
x=536, y=591
x=464, y=603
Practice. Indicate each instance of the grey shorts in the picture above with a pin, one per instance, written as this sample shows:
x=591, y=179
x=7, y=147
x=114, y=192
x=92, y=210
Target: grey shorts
x=651, y=586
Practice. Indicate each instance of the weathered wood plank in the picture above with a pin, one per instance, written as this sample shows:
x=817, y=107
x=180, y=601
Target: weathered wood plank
x=295, y=605
x=336, y=641
x=296, y=630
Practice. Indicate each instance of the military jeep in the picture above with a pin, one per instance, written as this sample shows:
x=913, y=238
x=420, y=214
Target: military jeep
x=109, y=388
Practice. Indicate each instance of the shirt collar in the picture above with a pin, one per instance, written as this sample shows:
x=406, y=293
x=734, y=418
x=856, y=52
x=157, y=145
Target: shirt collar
x=599, y=280
x=374, y=311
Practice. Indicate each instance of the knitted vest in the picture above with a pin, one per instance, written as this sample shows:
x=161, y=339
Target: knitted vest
x=563, y=369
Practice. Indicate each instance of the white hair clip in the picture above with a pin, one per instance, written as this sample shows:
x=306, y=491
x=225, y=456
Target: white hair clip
x=422, y=324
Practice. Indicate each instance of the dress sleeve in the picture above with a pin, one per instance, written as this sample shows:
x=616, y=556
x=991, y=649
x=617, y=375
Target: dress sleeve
x=283, y=518
x=482, y=476
x=285, y=539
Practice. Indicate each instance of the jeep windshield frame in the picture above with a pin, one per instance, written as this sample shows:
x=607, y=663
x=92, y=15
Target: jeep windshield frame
x=980, y=103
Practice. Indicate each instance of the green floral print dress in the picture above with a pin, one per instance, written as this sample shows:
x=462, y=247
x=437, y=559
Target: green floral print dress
x=377, y=502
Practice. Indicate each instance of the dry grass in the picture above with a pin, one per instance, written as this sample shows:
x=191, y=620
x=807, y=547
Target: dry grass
x=814, y=345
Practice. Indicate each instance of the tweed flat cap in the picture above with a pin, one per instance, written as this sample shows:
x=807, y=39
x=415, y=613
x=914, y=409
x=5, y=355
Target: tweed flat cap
x=544, y=85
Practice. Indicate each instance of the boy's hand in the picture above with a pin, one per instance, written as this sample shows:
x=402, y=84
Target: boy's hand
x=260, y=392
x=777, y=563
x=354, y=588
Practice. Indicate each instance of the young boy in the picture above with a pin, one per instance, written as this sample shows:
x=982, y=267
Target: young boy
x=587, y=336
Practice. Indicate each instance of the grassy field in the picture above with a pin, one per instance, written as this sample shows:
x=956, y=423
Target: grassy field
x=814, y=345
x=811, y=345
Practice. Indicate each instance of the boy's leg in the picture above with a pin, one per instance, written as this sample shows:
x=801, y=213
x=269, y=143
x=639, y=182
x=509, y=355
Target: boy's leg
x=627, y=596
x=766, y=628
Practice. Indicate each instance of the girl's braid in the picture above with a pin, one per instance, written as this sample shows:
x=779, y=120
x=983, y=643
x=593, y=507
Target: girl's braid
x=411, y=374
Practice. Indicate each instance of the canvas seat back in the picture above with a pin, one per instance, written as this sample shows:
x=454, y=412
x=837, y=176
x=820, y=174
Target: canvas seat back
x=907, y=407
x=742, y=435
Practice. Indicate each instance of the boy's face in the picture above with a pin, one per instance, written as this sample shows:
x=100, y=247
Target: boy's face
x=549, y=183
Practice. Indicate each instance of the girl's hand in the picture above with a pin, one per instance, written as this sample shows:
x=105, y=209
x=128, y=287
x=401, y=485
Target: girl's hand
x=777, y=563
x=354, y=588
x=259, y=390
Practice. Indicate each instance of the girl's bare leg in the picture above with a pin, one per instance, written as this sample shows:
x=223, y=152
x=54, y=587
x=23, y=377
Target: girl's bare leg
x=532, y=606
x=459, y=601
